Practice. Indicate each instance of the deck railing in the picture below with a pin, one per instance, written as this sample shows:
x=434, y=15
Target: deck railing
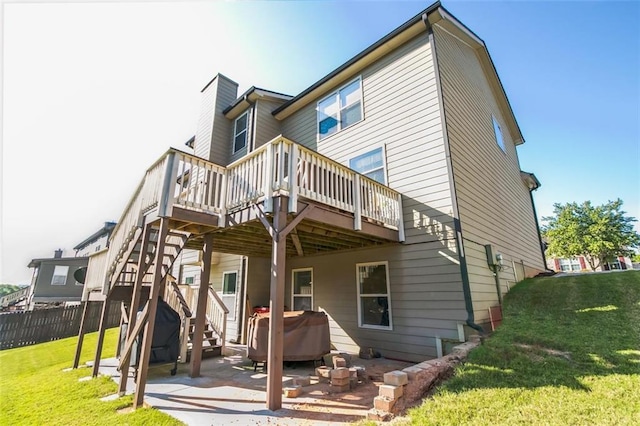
x=96, y=272
x=183, y=180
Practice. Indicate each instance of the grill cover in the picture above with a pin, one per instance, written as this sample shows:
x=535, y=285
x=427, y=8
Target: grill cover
x=306, y=336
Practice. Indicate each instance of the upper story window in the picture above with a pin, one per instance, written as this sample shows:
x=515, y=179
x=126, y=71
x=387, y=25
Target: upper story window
x=370, y=164
x=60, y=275
x=498, y=132
x=340, y=109
x=240, y=132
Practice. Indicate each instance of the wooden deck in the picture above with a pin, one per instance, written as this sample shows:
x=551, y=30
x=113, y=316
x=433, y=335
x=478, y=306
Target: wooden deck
x=280, y=201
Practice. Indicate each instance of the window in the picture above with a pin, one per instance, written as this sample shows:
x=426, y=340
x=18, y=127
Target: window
x=240, y=133
x=370, y=164
x=570, y=265
x=615, y=264
x=229, y=282
x=188, y=280
x=340, y=109
x=374, y=303
x=302, y=289
x=60, y=275
x=498, y=132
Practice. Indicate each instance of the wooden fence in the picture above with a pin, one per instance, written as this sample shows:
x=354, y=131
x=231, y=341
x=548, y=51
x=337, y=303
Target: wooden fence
x=31, y=327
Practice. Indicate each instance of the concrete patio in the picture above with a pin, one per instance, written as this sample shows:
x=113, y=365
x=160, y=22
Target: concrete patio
x=230, y=392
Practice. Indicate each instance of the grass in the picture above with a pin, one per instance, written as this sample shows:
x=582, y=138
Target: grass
x=35, y=391
x=568, y=352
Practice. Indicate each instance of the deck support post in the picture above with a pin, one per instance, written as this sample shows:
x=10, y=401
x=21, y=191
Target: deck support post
x=276, y=309
x=201, y=308
x=101, y=329
x=83, y=321
x=136, y=295
x=145, y=352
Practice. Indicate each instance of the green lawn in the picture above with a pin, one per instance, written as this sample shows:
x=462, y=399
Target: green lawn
x=35, y=391
x=567, y=353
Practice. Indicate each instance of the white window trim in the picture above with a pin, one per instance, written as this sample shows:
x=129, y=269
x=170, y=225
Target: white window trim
x=293, y=287
x=53, y=275
x=570, y=262
x=224, y=274
x=236, y=134
x=370, y=149
x=232, y=314
x=388, y=296
x=335, y=93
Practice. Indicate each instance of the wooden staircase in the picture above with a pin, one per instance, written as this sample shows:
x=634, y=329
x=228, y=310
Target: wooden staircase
x=211, y=346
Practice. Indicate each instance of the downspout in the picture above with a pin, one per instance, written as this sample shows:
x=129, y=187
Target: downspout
x=466, y=288
x=240, y=336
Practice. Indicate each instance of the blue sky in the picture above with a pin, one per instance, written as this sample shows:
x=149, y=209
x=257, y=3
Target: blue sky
x=94, y=92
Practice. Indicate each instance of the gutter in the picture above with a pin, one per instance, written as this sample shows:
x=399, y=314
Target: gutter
x=416, y=19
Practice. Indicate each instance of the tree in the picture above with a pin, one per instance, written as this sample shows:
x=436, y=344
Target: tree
x=599, y=233
x=8, y=288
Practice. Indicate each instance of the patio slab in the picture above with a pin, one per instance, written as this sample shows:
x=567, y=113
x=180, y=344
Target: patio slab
x=230, y=392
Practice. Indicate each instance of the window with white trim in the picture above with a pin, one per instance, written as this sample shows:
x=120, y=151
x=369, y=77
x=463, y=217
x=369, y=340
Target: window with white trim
x=497, y=130
x=370, y=164
x=229, y=287
x=302, y=289
x=60, y=275
x=189, y=280
x=570, y=265
x=374, y=301
x=240, y=132
x=229, y=280
x=340, y=109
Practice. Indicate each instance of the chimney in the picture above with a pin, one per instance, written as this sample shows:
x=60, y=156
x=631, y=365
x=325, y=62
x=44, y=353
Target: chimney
x=57, y=254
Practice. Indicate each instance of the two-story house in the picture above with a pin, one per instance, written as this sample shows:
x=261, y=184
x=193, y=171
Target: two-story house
x=388, y=194
x=55, y=279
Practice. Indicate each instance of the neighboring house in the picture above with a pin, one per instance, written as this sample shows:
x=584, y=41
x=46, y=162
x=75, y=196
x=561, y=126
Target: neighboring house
x=397, y=175
x=96, y=242
x=15, y=301
x=580, y=264
x=53, y=281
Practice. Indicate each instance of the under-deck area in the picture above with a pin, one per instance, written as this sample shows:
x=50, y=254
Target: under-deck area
x=280, y=201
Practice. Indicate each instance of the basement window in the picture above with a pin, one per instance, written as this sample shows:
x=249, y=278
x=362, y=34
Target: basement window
x=374, y=302
x=302, y=289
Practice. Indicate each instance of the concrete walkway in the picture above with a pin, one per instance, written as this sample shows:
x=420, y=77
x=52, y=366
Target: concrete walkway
x=229, y=392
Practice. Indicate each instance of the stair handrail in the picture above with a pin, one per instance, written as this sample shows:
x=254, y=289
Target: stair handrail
x=173, y=296
x=217, y=314
x=175, y=299
x=146, y=197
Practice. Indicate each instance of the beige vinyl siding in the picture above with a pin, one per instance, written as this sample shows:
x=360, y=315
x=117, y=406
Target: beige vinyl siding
x=228, y=263
x=213, y=134
x=482, y=282
x=258, y=281
x=426, y=298
x=494, y=204
x=267, y=127
x=401, y=113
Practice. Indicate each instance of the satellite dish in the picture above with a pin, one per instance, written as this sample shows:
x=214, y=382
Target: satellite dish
x=80, y=274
